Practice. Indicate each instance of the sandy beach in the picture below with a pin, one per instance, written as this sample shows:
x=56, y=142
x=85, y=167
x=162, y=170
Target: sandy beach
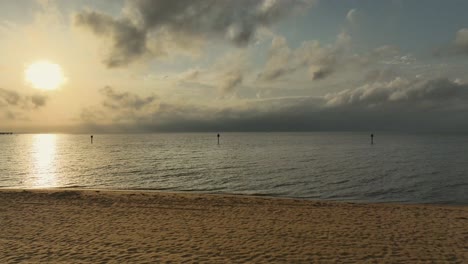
x=58, y=226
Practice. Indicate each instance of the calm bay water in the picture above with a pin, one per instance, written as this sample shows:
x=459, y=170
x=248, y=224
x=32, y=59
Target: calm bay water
x=337, y=166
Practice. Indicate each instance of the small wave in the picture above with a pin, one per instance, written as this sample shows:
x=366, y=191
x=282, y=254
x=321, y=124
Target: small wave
x=307, y=160
x=226, y=167
x=208, y=190
x=153, y=189
x=167, y=169
x=285, y=184
x=184, y=174
x=286, y=169
x=73, y=186
x=260, y=194
x=379, y=193
x=456, y=185
x=337, y=182
x=370, y=180
x=134, y=171
x=411, y=176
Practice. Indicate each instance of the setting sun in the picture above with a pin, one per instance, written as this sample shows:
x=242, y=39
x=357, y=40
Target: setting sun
x=44, y=75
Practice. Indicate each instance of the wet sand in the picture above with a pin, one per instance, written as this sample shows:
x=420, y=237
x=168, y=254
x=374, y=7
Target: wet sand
x=58, y=226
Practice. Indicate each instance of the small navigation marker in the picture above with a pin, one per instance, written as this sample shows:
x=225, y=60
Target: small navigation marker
x=218, y=138
x=91, y=139
x=372, y=139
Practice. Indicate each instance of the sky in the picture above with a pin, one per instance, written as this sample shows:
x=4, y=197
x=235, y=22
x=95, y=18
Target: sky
x=243, y=65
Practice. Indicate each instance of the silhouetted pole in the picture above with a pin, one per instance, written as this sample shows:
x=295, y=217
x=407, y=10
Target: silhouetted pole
x=91, y=139
x=372, y=139
x=218, y=138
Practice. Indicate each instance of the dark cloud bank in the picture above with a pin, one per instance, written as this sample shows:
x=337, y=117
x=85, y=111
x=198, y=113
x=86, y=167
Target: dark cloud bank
x=438, y=105
x=184, y=20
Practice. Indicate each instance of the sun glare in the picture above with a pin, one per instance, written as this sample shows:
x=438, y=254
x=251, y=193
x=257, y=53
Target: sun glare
x=43, y=150
x=44, y=75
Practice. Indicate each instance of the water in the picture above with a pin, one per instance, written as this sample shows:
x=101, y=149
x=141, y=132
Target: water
x=332, y=166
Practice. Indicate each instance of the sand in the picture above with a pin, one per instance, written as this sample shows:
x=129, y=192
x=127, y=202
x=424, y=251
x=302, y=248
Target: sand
x=58, y=226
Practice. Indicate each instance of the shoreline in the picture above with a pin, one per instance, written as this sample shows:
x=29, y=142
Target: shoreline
x=84, y=225
x=266, y=196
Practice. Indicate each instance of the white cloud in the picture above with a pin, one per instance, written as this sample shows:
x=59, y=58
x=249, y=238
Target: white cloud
x=352, y=16
x=323, y=61
x=403, y=94
x=461, y=41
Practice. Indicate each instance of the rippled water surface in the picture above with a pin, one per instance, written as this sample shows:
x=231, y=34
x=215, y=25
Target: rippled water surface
x=338, y=166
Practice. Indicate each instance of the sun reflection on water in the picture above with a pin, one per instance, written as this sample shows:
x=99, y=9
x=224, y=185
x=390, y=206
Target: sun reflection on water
x=43, y=161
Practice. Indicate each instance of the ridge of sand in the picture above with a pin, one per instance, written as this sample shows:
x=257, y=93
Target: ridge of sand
x=85, y=226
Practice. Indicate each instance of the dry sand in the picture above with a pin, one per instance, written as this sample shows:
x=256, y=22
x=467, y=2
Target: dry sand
x=150, y=227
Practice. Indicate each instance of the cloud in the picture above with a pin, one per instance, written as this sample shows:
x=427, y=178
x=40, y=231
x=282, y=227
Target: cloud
x=459, y=45
x=124, y=100
x=352, y=16
x=321, y=73
x=119, y=107
x=225, y=76
x=10, y=98
x=461, y=41
x=380, y=75
x=400, y=60
x=143, y=20
x=16, y=106
x=231, y=81
x=321, y=61
x=399, y=104
x=402, y=94
x=92, y=115
x=190, y=75
x=38, y=100
x=10, y=115
x=128, y=41
x=279, y=61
